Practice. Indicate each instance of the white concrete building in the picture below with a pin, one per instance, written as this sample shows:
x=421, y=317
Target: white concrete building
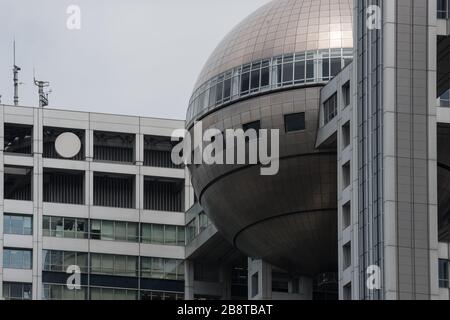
x=94, y=190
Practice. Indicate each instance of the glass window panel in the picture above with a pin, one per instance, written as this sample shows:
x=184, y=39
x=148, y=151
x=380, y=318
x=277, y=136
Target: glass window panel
x=132, y=232
x=255, y=74
x=212, y=96
x=132, y=266
x=245, y=83
x=170, y=269
x=46, y=226
x=107, y=230
x=121, y=231
x=294, y=122
x=56, y=258
x=335, y=66
x=157, y=268
x=146, y=233
x=227, y=89
x=82, y=261
x=16, y=225
x=325, y=69
x=69, y=259
x=120, y=266
x=300, y=71
x=265, y=77
x=219, y=92
x=108, y=264
x=57, y=227
x=81, y=228
x=96, y=293
x=96, y=229
x=180, y=269
x=69, y=228
x=181, y=236
x=287, y=72
x=158, y=234
x=27, y=226
x=7, y=224
x=171, y=235
x=96, y=263
x=310, y=70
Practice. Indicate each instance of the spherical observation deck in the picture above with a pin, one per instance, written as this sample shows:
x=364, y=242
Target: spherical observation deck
x=269, y=70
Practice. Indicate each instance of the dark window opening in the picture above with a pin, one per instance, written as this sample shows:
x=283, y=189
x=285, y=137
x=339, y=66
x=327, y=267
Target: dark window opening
x=115, y=147
x=63, y=186
x=294, y=122
x=114, y=190
x=162, y=194
x=330, y=109
x=50, y=136
x=346, y=94
x=18, y=138
x=17, y=224
x=443, y=273
x=17, y=184
x=158, y=152
x=17, y=291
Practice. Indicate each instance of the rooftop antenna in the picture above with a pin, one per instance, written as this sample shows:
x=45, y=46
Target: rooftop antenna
x=16, y=70
x=43, y=95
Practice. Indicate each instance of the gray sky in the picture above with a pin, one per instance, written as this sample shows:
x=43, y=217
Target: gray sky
x=138, y=57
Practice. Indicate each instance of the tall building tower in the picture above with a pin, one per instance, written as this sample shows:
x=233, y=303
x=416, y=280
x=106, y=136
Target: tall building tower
x=360, y=204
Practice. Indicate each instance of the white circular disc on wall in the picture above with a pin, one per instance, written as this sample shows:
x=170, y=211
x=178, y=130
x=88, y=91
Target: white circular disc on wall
x=68, y=145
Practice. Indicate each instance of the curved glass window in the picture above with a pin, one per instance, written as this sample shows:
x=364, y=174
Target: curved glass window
x=304, y=68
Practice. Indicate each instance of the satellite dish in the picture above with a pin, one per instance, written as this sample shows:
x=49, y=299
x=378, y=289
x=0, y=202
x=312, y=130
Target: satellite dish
x=68, y=145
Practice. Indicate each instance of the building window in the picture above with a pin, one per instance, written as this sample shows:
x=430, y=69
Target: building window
x=17, y=183
x=330, y=109
x=346, y=135
x=158, y=152
x=346, y=215
x=163, y=234
x=255, y=284
x=203, y=222
x=288, y=70
x=64, y=227
x=17, y=291
x=346, y=256
x=17, y=224
x=114, y=230
x=346, y=94
x=443, y=273
x=294, y=122
x=159, y=295
x=191, y=231
x=114, y=190
x=347, y=294
x=59, y=261
x=113, y=294
x=162, y=194
x=114, y=147
x=255, y=125
x=444, y=99
x=18, y=139
x=117, y=265
x=63, y=186
x=346, y=175
x=159, y=268
x=17, y=259
x=50, y=136
x=443, y=9
x=62, y=292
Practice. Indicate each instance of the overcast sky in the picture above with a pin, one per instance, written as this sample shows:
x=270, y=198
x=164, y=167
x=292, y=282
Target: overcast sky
x=138, y=57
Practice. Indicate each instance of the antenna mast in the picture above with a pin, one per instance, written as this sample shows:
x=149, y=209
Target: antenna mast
x=16, y=70
x=43, y=95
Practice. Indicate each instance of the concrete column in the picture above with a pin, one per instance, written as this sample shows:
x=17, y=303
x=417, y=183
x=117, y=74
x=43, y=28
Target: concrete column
x=189, y=280
x=259, y=280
